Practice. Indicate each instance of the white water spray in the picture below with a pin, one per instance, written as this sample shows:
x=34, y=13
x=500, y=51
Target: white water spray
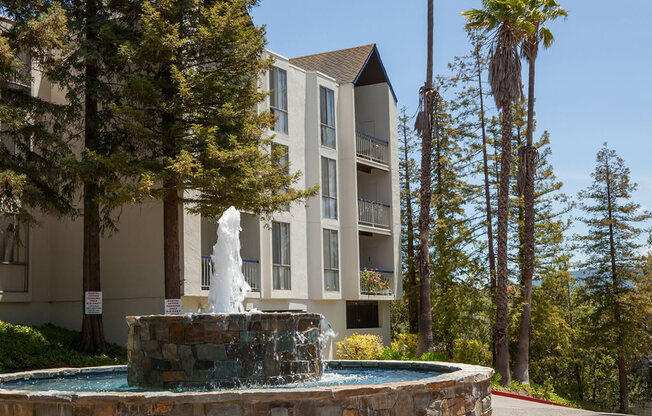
x=228, y=285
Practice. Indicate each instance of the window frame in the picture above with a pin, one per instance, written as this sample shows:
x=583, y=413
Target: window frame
x=286, y=282
x=326, y=189
x=327, y=253
x=327, y=115
x=352, y=323
x=274, y=106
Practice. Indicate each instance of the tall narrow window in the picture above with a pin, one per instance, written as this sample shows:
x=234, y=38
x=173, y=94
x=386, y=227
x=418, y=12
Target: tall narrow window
x=327, y=110
x=281, y=162
x=278, y=98
x=281, y=255
x=331, y=262
x=329, y=188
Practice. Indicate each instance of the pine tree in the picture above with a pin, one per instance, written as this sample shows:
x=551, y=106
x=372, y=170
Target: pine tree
x=408, y=177
x=612, y=250
x=190, y=112
x=31, y=140
x=451, y=238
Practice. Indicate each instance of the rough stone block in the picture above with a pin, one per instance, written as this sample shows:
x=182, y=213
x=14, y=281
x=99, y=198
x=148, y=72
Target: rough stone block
x=170, y=352
x=23, y=409
x=211, y=352
x=176, y=333
x=194, y=333
x=222, y=410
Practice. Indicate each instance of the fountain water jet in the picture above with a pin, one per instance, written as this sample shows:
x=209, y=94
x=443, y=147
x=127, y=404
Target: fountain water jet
x=228, y=285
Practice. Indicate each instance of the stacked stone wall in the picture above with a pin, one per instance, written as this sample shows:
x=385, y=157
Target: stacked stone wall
x=206, y=351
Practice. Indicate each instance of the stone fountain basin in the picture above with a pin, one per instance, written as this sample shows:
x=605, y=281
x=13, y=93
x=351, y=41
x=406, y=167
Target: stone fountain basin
x=460, y=390
x=223, y=350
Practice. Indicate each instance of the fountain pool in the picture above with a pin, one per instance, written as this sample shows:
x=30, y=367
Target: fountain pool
x=348, y=388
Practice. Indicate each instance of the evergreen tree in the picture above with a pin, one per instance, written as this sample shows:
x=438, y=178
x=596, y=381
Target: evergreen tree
x=191, y=91
x=451, y=238
x=31, y=140
x=408, y=176
x=613, y=259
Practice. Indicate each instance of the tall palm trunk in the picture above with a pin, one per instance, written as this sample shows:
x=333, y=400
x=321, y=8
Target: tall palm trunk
x=487, y=196
x=92, y=334
x=412, y=299
x=502, y=313
x=521, y=364
x=425, y=341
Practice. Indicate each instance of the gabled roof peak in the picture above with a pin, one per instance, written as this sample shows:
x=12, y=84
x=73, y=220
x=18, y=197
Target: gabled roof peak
x=360, y=65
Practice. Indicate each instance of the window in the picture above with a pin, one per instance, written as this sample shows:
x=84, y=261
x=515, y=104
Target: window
x=329, y=188
x=281, y=255
x=327, y=114
x=362, y=315
x=331, y=262
x=278, y=98
x=281, y=162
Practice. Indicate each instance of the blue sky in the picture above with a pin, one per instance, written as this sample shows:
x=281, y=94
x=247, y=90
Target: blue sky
x=593, y=85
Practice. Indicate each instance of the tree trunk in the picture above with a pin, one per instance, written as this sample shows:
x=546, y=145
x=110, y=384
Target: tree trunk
x=425, y=341
x=521, y=364
x=620, y=348
x=622, y=379
x=412, y=299
x=487, y=196
x=502, y=313
x=92, y=333
x=171, y=203
x=171, y=244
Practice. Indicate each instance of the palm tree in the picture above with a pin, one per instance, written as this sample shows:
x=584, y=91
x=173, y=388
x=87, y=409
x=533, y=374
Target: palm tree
x=424, y=125
x=538, y=13
x=504, y=19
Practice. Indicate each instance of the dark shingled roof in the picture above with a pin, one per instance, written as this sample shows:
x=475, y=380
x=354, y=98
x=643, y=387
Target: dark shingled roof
x=360, y=66
x=343, y=65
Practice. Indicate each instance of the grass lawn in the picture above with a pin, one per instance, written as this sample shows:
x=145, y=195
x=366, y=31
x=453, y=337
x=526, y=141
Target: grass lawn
x=25, y=347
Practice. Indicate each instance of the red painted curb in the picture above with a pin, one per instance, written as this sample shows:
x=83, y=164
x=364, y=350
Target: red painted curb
x=527, y=398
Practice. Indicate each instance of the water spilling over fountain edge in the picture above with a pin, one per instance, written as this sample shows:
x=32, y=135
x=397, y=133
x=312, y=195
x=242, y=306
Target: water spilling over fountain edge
x=223, y=350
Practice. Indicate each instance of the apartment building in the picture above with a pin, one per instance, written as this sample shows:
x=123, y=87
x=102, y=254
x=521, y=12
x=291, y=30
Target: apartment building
x=337, y=124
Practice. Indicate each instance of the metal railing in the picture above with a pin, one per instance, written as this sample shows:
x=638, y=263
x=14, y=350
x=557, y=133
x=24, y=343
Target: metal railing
x=376, y=282
x=373, y=213
x=250, y=270
x=372, y=148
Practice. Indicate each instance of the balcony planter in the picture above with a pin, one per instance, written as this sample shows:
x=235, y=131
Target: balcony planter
x=372, y=282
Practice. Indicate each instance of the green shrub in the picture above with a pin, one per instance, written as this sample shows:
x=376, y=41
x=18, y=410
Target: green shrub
x=404, y=346
x=471, y=351
x=434, y=356
x=24, y=348
x=360, y=347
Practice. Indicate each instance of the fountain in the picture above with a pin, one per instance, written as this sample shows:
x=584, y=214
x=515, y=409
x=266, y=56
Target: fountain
x=228, y=347
x=238, y=363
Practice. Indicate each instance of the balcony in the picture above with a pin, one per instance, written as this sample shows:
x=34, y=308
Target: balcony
x=376, y=282
x=373, y=214
x=372, y=148
x=250, y=269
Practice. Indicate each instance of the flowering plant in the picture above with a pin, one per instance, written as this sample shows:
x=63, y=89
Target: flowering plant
x=372, y=281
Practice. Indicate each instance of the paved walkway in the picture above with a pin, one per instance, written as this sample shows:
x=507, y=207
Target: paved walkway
x=505, y=406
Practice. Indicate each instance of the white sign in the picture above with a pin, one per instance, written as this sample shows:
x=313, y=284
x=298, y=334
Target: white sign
x=173, y=307
x=93, y=303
